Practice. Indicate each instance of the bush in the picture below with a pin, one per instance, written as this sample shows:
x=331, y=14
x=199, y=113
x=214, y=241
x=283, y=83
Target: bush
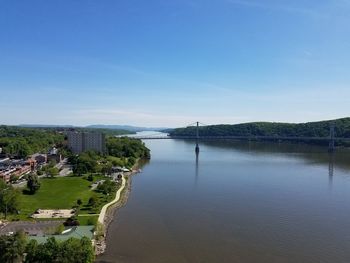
x=90, y=177
x=71, y=222
x=107, y=187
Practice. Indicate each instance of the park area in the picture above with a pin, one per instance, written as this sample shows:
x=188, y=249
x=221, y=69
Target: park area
x=63, y=193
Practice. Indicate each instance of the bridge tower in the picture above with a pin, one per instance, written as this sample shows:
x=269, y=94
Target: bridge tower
x=331, y=145
x=197, y=139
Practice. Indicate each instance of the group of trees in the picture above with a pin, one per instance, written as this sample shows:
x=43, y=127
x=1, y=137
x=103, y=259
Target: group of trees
x=12, y=247
x=16, y=248
x=127, y=147
x=121, y=152
x=9, y=198
x=86, y=162
x=107, y=187
x=70, y=251
x=310, y=129
x=21, y=142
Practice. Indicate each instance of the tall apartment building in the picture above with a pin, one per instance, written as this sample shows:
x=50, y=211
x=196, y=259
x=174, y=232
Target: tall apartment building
x=79, y=142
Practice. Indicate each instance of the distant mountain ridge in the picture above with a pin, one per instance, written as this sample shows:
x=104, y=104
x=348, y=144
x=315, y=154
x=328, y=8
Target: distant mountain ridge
x=96, y=126
x=45, y=126
x=125, y=127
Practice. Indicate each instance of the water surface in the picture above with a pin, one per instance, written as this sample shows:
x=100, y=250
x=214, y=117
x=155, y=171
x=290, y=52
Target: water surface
x=238, y=202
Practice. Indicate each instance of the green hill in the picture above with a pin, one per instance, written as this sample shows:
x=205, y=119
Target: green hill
x=309, y=129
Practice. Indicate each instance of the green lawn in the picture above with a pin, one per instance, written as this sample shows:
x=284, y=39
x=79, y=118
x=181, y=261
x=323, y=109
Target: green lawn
x=87, y=220
x=56, y=193
x=63, y=193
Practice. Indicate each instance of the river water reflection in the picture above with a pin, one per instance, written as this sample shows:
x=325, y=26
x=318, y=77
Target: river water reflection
x=238, y=202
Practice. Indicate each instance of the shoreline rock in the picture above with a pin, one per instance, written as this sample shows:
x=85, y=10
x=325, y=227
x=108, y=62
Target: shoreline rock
x=101, y=242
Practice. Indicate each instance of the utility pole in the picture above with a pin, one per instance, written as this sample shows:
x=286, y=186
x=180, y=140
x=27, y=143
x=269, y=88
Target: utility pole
x=197, y=138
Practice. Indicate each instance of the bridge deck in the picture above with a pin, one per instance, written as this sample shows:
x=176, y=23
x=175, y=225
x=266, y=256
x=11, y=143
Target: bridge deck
x=240, y=138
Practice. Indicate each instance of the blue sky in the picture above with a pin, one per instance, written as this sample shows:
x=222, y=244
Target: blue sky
x=171, y=63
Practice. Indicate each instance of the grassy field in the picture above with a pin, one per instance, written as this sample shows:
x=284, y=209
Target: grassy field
x=56, y=193
x=60, y=193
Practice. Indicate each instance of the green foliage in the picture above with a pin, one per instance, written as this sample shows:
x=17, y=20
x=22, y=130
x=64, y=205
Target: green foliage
x=87, y=220
x=79, y=202
x=93, y=201
x=33, y=183
x=122, y=152
x=107, y=187
x=70, y=251
x=91, y=221
x=9, y=198
x=85, y=162
x=57, y=193
x=107, y=168
x=12, y=247
x=52, y=172
x=21, y=142
x=310, y=129
x=128, y=148
x=90, y=178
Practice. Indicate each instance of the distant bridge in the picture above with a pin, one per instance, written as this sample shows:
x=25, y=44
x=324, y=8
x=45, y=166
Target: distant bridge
x=165, y=137
x=331, y=138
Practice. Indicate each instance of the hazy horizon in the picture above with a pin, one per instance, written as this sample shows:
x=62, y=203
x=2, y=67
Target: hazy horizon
x=168, y=64
x=147, y=126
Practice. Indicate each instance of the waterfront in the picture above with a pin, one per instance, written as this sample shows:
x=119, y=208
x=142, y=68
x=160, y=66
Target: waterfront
x=239, y=202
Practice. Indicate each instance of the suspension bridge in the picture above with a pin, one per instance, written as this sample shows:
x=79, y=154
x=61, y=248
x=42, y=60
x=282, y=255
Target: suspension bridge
x=331, y=139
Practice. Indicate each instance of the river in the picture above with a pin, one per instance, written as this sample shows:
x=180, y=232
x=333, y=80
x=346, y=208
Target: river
x=237, y=202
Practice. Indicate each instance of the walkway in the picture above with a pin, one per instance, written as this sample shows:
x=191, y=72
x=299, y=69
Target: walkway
x=102, y=215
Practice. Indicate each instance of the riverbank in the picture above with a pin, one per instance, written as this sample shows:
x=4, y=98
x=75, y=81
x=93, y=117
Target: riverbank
x=108, y=211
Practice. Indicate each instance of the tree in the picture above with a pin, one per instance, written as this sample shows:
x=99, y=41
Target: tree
x=32, y=250
x=49, y=251
x=70, y=251
x=8, y=198
x=75, y=250
x=79, y=202
x=33, y=183
x=90, y=177
x=92, y=201
x=12, y=247
x=107, y=168
x=107, y=187
x=52, y=172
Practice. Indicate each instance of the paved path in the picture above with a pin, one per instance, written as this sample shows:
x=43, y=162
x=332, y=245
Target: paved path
x=116, y=199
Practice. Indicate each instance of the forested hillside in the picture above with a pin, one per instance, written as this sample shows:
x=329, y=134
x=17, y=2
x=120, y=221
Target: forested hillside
x=22, y=142
x=309, y=129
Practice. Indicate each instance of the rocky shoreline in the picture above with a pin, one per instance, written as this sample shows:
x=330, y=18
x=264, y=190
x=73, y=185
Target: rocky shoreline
x=100, y=242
